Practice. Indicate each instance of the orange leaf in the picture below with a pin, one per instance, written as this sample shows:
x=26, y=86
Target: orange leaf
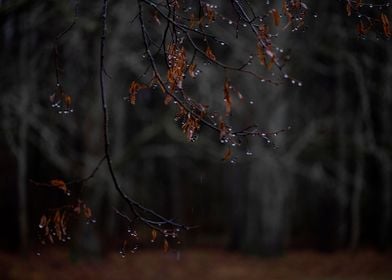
x=154, y=235
x=192, y=70
x=67, y=101
x=165, y=246
x=59, y=184
x=276, y=17
x=210, y=54
x=133, y=90
x=385, y=25
x=227, y=97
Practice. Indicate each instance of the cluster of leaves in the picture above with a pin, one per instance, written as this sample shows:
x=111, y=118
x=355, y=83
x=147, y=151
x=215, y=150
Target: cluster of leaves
x=188, y=32
x=178, y=33
x=169, y=240
x=371, y=17
x=61, y=101
x=54, y=223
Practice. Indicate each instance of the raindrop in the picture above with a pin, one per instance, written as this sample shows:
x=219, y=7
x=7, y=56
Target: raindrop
x=38, y=254
x=248, y=153
x=230, y=22
x=300, y=84
x=251, y=102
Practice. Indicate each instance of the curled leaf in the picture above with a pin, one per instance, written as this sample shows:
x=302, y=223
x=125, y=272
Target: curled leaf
x=59, y=184
x=133, y=90
x=210, y=54
x=192, y=70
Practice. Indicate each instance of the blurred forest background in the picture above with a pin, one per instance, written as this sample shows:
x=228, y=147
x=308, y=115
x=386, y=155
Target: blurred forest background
x=327, y=186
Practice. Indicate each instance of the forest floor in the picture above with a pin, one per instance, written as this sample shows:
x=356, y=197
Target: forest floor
x=198, y=264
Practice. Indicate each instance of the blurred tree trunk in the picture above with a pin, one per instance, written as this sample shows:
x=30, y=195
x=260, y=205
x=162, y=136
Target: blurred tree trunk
x=266, y=212
x=266, y=216
x=342, y=150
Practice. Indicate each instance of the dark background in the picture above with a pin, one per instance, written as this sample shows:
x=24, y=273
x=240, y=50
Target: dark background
x=326, y=186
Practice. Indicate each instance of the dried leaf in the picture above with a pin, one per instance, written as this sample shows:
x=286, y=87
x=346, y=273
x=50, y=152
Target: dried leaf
x=192, y=70
x=67, y=101
x=154, y=235
x=77, y=209
x=43, y=221
x=50, y=238
x=156, y=17
x=165, y=246
x=385, y=25
x=133, y=90
x=227, y=97
x=348, y=8
x=59, y=184
x=261, y=55
x=210, y=54
x=194, y=22
x=228, y=154
x=87, y=212
x=276, y=17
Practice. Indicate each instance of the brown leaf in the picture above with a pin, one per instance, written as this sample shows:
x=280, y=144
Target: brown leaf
x=133, y=90
x=67, y=101
x=59, y=184
x=210, y=54
x=276, y=17
x=348, y=8
x=385, y=25
x=87, y=212
x=228, y=154
x=227, y=97
x=165, y=246
x=43, y=221
x=154, y=235
x=192, y=70
x=261, y=55
x=194, y=22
